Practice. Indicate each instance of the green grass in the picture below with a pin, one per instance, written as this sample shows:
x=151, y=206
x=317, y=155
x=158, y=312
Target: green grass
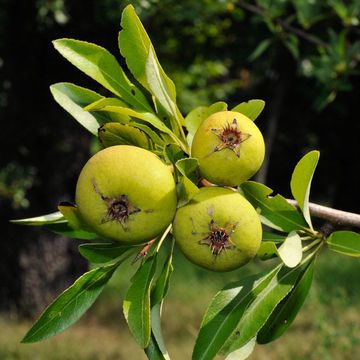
x=327, y=327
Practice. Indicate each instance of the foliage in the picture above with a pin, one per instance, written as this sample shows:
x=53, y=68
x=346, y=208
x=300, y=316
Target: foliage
x=254, y=309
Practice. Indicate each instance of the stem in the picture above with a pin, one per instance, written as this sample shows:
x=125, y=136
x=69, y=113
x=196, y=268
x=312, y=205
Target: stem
x=163, y=238
x=310, y=246
x=334, y=216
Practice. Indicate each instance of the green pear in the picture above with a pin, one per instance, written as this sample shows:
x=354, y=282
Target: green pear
x=218, y=229
x=229, y=147
x=127, y=194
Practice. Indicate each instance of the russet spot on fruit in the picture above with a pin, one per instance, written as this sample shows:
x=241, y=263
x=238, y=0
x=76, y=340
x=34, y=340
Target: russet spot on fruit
x=127, y=194
x=218, y=229
x=230, y=148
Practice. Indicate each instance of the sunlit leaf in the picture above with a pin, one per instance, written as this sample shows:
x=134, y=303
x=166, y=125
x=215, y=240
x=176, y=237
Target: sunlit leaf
x=225, y=311
x=274, y=211
x=252, y=108
x=244, y=352
x=285, y=313
x=71, y=304
x=270, y=236
x=136, y=304
x=100, y=65
x=290, y=250
x=345, y=242
x=55, y=217
x=301, y=182
x=73, y=99
x=267, y=250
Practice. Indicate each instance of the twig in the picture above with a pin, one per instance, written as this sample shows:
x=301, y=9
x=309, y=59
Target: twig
x=334, y=216
x=299, y=32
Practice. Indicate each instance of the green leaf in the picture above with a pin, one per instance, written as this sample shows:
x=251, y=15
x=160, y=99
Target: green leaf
x=136, y=304
x=55, y=217
x=261, y=308
x=225, y=311
x=71, y=304
x=270, y=236
x=260, y=49
x=71, y=214
x=112, y=105
x=274, y=211
x=267, y=250
x=162, y=283
x=153, y=351
x=74, y=233
x=290, y=251
x=292, y=43
x=345, y=242
x=301, y=182
x=198, y=115
x=244, y=352
x=100, y=65
x=285, y=313
x=186, y=186
x=73, y=99
x=111, y=134
x=103, y=252
x=252, y=108
x=173, y=153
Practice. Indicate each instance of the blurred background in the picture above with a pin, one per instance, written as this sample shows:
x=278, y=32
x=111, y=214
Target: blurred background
x=300, y=56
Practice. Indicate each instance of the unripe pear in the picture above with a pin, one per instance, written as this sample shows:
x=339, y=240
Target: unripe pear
x=229, y=147
x=218, y=229
x=127, y=194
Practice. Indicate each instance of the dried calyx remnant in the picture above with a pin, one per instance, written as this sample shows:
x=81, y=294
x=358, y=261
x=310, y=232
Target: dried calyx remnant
x=217, y=238
x=119, y=208
x=231, y=137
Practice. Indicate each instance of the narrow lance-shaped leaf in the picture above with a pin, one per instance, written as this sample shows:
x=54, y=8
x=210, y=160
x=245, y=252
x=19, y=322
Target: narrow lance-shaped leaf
x=73, y=99
x=285, y=313
x=261, y=308
x=301, y=182
x=244, y=352
x=55, y=217
x=274, y=211
x=345, y=242
x=71, y=304
x=270, y=236
x=136, y=304
x=100, y=65
x=104, y=252
x=65, y=229
x=225, y=311
x=252, y=108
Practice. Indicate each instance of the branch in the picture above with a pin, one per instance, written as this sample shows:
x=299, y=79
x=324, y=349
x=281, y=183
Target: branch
x=299, y=32
x=334, y=216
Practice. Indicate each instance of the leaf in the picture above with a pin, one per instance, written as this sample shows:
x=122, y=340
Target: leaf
x=66, y=230
x=100, y=65
x=198, y=115
x=73, y=99
x=252, y=108
x=186, y=187
x=290, y=250
x=225, y=312
x=71, y=304
x=270, y=236
x=71, y=214
x=292, y=44
x=285, y=313
x=162, y=283
x=267, y=250
x=301, y=182
x=345, y=242
x=55, y=217
x=136, y=304
x=103, y=252
x=111, y=134
x=244, y=352
x=112, y=105
x=135, y=44
x=261, y=308
x=260, y=49
x=274, y=211
x=153, y=351
x=173, y=153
